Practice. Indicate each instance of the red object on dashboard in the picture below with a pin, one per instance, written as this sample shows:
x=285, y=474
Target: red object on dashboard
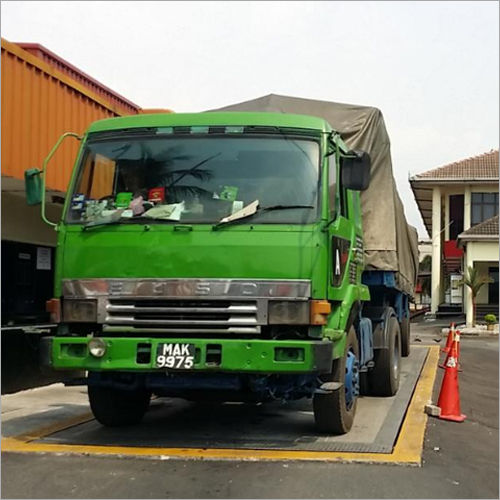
x=156, y=195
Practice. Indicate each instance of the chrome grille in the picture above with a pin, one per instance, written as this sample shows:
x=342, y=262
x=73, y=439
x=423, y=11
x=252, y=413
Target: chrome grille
x=184, y=316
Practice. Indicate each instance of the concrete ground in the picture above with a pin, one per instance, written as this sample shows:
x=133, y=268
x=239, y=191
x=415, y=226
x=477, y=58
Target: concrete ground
x=459, y=460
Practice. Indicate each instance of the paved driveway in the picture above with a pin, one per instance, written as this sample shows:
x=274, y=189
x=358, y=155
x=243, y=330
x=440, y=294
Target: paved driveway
x=459, y=460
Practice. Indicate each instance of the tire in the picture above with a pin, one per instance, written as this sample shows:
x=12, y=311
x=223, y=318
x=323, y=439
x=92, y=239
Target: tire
x=333, y=414
x=116, y=407
x=405, y=337
x=384, y=377
x=364, y=386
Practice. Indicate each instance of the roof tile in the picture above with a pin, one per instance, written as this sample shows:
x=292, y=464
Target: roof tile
x=484, y=166
x=488, y=227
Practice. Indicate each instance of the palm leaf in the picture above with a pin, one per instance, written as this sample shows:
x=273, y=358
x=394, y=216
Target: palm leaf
x=201, y=175
x=474, y=280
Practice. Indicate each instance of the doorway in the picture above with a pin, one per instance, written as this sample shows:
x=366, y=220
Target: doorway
x=456, y=215
x=27, y=282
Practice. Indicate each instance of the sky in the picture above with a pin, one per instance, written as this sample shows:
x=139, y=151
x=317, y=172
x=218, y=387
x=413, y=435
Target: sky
x=432, y=68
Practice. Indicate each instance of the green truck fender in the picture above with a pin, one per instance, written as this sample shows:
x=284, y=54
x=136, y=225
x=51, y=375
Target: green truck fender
x=342, y=318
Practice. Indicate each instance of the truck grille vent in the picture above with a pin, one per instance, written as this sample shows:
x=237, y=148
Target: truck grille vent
x=184, y=316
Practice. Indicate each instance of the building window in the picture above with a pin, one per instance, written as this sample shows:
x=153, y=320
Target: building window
x=484, y=206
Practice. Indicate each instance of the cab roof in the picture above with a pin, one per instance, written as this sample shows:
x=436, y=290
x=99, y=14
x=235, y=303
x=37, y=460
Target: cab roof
x=212, y=119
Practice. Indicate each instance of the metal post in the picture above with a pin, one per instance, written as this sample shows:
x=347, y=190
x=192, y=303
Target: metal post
x=44, y=172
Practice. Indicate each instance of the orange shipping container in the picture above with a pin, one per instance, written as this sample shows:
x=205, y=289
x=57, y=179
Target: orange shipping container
x=40, y=101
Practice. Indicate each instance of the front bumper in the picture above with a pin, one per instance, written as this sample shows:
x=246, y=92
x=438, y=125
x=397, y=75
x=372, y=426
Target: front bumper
x=232, y=355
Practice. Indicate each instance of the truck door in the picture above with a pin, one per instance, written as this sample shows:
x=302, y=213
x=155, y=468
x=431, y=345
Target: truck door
x=339, y=234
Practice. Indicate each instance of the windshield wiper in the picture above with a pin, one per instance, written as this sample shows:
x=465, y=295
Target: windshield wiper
x=115, y=218
x=90, y=225
x=252, y=209
x=284, y=207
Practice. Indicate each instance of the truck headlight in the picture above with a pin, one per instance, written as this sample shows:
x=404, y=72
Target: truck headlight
x=97, y=347
x=80, y=311
x=287, y=312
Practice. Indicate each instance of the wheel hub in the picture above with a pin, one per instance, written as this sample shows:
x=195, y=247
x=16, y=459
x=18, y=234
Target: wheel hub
x=351, y=379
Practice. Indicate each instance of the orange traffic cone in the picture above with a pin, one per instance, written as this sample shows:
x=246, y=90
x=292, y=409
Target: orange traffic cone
x=456, y=338
x=449, y=398
x=449, y=340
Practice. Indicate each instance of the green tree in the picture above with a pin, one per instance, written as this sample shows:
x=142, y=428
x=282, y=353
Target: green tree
x=475, y=282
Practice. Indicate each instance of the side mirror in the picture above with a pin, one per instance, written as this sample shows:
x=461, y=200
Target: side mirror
x=33, y=186
x=355, y=170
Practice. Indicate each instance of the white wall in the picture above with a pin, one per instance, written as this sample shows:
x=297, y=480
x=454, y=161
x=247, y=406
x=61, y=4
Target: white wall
x=483, y=250
x=484, y=254
x=482, y=268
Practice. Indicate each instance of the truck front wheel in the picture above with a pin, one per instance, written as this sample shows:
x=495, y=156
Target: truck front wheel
x=115, y=407
x=334, y=410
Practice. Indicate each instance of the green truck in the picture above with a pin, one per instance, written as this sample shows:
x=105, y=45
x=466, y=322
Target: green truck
x=221, y=255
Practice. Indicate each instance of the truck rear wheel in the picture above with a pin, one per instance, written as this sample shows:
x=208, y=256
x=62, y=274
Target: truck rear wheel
x=115, y=407
x=405, y=337
x=384, y=377
x=334, y=411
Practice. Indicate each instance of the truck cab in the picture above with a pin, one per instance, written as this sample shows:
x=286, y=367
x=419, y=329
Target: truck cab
x=218, y=255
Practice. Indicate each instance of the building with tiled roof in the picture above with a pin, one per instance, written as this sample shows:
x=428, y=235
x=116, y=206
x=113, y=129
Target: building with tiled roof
x=476, y=170
x=458, y=203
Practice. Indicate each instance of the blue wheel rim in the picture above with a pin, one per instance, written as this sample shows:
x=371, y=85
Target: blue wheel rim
x=351, y=379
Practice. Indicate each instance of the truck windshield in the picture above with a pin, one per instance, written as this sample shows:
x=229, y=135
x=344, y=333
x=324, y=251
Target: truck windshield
x=196, y=179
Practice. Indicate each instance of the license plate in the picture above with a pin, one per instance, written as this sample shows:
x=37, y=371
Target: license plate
x=178, y=356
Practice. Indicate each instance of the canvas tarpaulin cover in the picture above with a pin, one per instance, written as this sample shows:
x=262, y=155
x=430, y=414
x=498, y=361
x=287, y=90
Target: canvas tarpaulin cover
x=390, y=243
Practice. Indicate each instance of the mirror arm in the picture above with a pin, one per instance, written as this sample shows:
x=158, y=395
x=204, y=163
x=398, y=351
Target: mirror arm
x=326, y=225
x=44, y=171
x=350, y=154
